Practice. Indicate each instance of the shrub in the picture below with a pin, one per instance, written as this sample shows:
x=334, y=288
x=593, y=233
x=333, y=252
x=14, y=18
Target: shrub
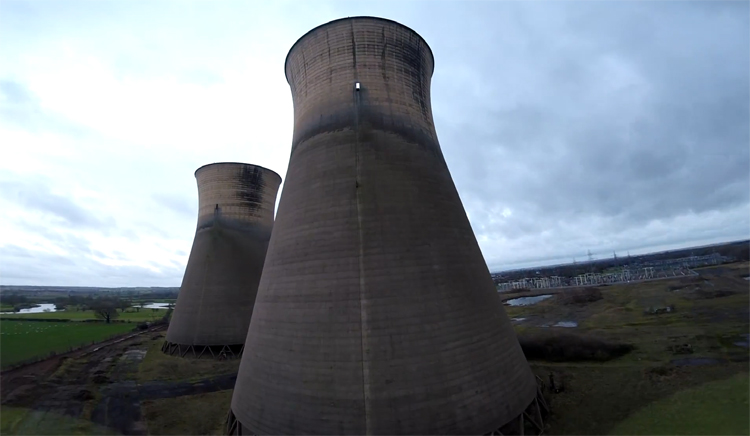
x=567, y=347
x=581, y=296
x=701, y=294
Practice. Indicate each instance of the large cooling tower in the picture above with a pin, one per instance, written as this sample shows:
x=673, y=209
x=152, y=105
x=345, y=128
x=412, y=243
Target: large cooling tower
x=235, y=218
x=376, y=313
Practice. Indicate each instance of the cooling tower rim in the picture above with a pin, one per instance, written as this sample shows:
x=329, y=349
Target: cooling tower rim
x=369, y=17
x=237, y=163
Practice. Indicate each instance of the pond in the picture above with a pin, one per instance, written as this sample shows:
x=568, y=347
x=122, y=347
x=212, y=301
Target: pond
x=43, y=307
x=527, y=301
x=566, y=324
x=745, y=343
x=157, y=305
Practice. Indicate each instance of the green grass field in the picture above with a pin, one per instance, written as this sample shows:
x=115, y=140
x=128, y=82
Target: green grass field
x=21, y=340
x=129, y=315
x=188, y=414
x=716, y=408
x=23, y=421
x=159, y=366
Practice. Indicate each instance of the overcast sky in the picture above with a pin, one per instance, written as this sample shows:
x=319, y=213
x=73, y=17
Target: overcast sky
x=567, y=126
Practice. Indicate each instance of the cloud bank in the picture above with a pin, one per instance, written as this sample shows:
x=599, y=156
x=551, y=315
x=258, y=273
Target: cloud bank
x=567, y=127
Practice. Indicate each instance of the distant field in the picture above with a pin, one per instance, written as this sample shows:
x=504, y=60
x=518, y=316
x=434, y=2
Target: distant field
x=143, y=315
x=718, y=408
x=21, y=340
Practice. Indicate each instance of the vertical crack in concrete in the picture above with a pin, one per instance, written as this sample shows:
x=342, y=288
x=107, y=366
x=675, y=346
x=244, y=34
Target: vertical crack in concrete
x=363, y=321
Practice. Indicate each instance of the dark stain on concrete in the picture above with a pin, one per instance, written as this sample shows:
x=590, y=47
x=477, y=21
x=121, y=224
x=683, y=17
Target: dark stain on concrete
x=251, y=186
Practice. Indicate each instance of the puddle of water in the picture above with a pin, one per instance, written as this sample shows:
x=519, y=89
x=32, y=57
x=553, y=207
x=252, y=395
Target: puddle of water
x=566, y=324
x=156, y=306
x=43, y=307
x=134, y=355
x=747, y=278
x=527, y=301
x=695, y=361
x=745, y=343
x=518, y=319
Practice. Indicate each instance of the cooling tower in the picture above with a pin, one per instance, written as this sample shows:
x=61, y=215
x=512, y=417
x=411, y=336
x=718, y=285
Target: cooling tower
x=376, y=313
x=235, y=218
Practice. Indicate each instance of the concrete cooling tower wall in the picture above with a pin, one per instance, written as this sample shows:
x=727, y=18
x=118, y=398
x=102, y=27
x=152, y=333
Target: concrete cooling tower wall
x=376, y=313
x=235, y=218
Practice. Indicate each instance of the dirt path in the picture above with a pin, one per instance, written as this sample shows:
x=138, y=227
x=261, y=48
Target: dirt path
x=16, y=378
x=98, y=384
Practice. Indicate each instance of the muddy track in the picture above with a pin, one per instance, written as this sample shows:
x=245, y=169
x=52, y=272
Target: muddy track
x=98, y=384
x=14, y=378
x=120, y=404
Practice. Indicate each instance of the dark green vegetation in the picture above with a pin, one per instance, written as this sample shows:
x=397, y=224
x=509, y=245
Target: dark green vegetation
x=23, y=340
x=701, y=341
x=566, y=347
x=14, y=303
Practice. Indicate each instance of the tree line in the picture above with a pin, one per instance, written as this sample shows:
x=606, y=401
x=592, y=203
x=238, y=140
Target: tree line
x=106, y=308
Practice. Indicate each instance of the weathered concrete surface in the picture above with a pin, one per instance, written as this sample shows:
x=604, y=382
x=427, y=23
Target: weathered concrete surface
x=235, y=218
x=375, y=313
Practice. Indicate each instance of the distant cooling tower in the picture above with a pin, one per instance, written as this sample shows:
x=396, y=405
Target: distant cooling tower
x=235, y=218
x=376, y=313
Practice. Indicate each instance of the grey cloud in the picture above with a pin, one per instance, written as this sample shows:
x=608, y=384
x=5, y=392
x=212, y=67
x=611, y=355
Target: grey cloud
x=202, y=76
x=51, y=269
x=602, y=125
x=37, y=196
x=12, y=250
x=640, y=113
x=15, y=93
x=176, y=203
x=20, y=108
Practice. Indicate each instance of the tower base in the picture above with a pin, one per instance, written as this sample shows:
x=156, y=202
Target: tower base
x=220, y=352
x=530, y=422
